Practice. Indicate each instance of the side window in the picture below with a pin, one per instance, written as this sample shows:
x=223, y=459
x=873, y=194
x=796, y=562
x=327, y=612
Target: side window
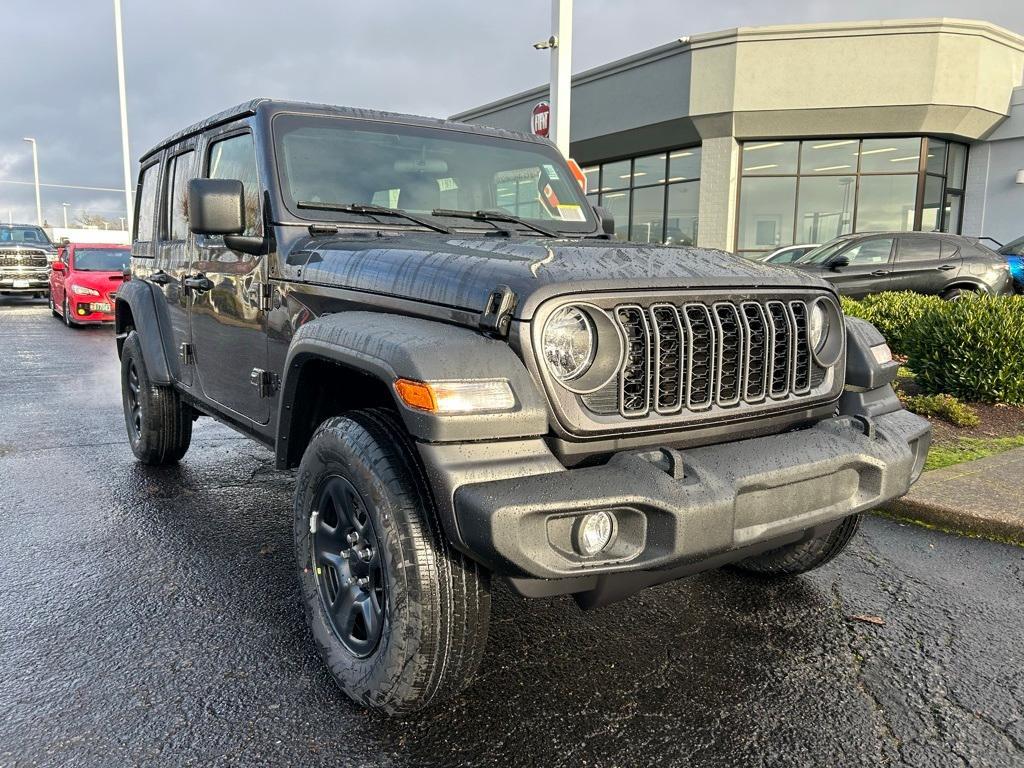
x=873, y=251
x=146, y=205
x=180, y=171
x=235, y=158
x=918, y=249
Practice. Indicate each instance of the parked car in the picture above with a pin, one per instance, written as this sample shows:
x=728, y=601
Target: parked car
x=25, y=256
x=1014, y=253
x=84, y=282
x=924, y=262
x=790, y=253
x=431, y=324
x=1013, y=248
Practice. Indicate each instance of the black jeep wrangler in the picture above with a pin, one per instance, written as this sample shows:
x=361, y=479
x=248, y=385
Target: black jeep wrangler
x=432, y=324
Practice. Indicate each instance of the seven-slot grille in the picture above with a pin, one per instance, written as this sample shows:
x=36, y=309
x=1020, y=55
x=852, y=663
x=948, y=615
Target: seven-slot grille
x=693, y=356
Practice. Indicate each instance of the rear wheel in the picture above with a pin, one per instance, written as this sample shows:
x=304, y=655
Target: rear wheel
x=803, y=556
x=159, y=424
x=954, y=294
x=399, y=618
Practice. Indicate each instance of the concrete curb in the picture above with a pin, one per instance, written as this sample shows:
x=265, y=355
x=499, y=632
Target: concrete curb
x=982, y=498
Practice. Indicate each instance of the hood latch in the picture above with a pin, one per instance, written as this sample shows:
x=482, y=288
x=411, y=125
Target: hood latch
x=497, y=315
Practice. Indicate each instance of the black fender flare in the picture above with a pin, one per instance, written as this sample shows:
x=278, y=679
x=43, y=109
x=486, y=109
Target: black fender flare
x=136, y=307
x=388, y=347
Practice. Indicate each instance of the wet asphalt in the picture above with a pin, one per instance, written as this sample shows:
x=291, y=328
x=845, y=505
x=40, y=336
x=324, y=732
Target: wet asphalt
x=151, y=617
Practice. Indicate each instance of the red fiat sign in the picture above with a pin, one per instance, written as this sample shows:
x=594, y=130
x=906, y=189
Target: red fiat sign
x=540, y=119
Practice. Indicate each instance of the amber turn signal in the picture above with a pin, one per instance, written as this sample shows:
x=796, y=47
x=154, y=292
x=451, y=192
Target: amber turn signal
x=476, y=396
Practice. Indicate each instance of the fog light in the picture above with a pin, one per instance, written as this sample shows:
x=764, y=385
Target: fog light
x=594, y=532
x=81, y=309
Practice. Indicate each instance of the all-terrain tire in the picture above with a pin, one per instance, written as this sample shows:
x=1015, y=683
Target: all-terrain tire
x=159, y=424
x=436, y=605
x=803, y=556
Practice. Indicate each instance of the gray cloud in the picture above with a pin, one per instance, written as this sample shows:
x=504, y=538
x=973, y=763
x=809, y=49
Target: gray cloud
x=189, y=58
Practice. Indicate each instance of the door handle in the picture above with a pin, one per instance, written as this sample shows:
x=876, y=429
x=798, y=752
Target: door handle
x=159, y=278
x=946, y=267
x=880, y=273
x=198, y=283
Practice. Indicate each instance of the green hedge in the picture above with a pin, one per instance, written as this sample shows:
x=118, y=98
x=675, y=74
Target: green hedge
x=972, y=348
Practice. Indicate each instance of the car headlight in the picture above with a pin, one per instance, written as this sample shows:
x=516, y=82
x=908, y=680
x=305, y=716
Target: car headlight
x=568, y=343
x=817, y=326
x=81, y=290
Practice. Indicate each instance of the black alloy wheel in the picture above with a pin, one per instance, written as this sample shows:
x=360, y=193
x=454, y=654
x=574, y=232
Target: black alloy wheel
x=134, y=399
x=347, y=563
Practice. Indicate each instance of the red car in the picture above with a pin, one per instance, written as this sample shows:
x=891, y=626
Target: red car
x=84, y=280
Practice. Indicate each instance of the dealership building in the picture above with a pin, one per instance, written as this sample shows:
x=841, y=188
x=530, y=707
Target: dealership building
x=754, y=138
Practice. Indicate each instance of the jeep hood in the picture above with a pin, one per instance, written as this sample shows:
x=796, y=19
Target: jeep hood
x=462, y=272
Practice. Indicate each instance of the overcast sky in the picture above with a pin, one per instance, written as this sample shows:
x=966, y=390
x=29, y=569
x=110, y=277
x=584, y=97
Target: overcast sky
x=187, y=59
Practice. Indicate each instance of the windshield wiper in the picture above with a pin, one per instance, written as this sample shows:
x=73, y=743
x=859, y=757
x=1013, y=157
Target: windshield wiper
x=492, y=216
x=373, y=210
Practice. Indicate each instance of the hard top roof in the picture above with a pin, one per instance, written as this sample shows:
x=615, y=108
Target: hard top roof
x=271, y=106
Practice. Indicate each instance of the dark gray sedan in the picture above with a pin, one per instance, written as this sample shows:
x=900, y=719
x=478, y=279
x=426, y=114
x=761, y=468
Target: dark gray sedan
x=924, y=262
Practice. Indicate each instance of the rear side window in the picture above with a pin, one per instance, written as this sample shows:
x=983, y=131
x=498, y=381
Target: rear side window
x=235, y=158
x=873, y=251
x=950, y=249
x=919, y=249
x=146, y=206
x=180, y=171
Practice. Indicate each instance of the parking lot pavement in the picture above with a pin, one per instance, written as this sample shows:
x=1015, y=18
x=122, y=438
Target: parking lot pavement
x=152, y=617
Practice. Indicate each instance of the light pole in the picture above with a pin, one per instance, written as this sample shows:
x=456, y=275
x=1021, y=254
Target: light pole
x=122, y=221
x=560, y=45
x=121, y=92
x=65, y=207
x=35, y=170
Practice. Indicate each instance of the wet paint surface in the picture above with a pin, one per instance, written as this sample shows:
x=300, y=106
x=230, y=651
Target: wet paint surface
x=152, y=617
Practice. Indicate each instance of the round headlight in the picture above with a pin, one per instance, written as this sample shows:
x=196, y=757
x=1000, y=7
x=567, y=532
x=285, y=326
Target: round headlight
x=568, y=343
x=817, y=326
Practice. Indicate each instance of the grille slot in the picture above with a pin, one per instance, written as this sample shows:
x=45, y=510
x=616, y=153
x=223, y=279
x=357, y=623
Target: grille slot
x=697, y=356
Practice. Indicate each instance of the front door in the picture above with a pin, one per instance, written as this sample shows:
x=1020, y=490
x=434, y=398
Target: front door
x=924, y=263
x=869, y=268
x=173, y=254
x=228, y=324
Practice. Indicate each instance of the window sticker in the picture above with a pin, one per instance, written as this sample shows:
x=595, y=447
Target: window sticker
x=571, y=213
x=447, y=184
x=549, y=199
x=551, y=172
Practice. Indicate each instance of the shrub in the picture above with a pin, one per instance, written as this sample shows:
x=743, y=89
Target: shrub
x=972, y=348
x=945, y=407
x=894, y=314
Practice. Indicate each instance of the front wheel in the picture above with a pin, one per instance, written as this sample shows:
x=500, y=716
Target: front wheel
x=67, y=315
x=399, y=618
x=803, y=556
x=159, y=424
x=53, y=307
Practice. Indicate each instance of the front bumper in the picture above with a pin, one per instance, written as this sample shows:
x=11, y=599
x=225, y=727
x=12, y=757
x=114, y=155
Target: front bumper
x=91, y=309
x=34, y=281
x=729, y=497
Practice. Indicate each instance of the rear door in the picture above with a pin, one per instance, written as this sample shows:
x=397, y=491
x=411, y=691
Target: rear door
x=924, y=263
x=869, y=268
x=228, y=322
x=173, y=253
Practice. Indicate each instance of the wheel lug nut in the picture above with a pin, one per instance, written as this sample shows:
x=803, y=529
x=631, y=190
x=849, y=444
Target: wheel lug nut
x=352, y=538
x=365, y=554
x=363, y=582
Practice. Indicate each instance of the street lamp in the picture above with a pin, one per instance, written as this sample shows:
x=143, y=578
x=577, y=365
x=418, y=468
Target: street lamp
x=35, y=170
x=125, y=152
x=65, y=207
x=560, y=45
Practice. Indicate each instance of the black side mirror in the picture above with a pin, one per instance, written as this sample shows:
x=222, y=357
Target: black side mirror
x=839, y=262
x=607, y=220
x=216, y=206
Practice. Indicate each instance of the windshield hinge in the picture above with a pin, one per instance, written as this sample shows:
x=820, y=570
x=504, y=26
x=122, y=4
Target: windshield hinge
x=497, y=315
x=266, y=382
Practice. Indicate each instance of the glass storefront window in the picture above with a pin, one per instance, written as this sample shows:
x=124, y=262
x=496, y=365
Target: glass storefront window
x=684, y=164
x=770, y=157
x=593, y=177
x=617, y=204
x=951, y=214
x=936, y=162
x=648, y=215
x=649, y=170
x=766, y=213
x=886, y=203
x=825, y=208
x=957, y=165
x=838, y=156
x=931, y=206
x=683, y=210
x=890, y=155
x=615, y=175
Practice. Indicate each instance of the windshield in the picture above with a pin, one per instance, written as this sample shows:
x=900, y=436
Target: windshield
x=339, y=161
x=31, y=235
x=102, y=259
x=822, y=253
x=1016, y=248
